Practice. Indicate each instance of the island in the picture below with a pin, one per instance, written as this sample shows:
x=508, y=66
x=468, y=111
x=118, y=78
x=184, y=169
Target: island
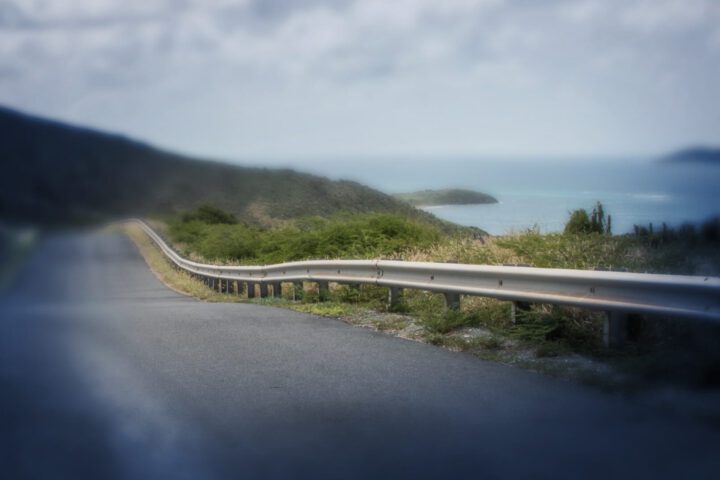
x=704, y=155
x=448, y=196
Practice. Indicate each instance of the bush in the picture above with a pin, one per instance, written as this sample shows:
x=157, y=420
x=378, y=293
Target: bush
x=349, y=236
x=579, y=223
x=210, y=215
x=582, y=223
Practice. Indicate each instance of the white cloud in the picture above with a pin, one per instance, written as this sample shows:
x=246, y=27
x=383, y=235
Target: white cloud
x=657, y=15
x=80, y=55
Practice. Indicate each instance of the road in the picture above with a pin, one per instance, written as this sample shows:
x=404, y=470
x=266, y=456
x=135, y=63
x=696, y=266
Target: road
x=106, y=373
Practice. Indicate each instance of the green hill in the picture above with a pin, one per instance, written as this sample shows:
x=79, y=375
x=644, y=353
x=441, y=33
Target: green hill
x=450, y=196
x=55, y=174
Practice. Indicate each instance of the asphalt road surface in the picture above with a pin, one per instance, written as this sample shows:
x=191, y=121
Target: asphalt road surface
x=106, y=373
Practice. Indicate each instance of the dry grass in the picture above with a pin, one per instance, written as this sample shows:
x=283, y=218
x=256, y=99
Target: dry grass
x=427, y=322
x=177, y=280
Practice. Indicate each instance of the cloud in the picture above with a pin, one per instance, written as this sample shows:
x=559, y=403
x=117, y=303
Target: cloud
x=74, y=54
x=651, y=16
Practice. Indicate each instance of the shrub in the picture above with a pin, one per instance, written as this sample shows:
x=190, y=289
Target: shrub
x=349, y=236
x=210, y=215
x=581, y=222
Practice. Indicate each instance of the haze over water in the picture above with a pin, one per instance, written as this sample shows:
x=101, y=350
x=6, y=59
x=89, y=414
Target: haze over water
x=542, y=193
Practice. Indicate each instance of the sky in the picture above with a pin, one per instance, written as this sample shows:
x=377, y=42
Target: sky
x=343, y=79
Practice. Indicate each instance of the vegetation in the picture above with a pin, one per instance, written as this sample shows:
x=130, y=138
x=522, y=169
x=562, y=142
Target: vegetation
x=453, y=196
x=346, y=236
x=582, y=223
x=209, y=215
x=482, y=325
x=54, y=174
x=707, y=234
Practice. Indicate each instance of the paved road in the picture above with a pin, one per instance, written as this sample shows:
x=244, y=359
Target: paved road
x=106, y=373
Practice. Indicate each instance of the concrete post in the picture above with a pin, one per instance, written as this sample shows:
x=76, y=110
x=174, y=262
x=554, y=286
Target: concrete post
x=518, y=310
x=277, y=289
x=395, y=297
x=615, y=329
x=250, y=290
x=323, y=291
x=452, y=300
x=298, y=290
x=263, y=290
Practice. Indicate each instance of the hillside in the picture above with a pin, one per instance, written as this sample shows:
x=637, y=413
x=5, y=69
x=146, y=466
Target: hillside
x=451, y=196
x=53, y=174
x=695, y=155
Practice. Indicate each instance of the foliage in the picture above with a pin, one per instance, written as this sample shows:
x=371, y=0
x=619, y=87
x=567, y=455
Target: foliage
x=210, y=215
x=581, y=222
x=347, y=236
x=707, y=233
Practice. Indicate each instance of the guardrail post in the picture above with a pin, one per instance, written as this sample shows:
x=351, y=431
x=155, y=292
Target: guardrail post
x=615, y=329
x=323, y=291
x=239, y=287
x=277, y=289
x=229, y=286
x=250, y=290
x=518, y=310
x=298, y=290
x=452, y=300
x=395, y=297
x=263, y=290
x=213, y=283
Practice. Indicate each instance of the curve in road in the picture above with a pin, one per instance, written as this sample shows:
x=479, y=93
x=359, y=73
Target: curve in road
x=106, y=373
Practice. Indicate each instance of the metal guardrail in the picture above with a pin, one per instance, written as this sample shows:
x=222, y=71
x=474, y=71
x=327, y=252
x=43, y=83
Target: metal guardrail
x=619, y=293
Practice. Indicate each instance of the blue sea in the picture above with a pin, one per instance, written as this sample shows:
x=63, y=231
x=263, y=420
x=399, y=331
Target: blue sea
x=541, y=193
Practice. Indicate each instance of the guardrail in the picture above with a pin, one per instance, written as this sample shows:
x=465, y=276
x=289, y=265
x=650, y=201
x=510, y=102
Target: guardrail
x=617, y=293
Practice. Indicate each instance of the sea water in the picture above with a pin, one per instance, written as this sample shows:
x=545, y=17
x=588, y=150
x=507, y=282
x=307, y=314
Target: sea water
x=541, y=193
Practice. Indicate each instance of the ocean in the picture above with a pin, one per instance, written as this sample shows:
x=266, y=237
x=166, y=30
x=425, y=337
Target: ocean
x=541, y=193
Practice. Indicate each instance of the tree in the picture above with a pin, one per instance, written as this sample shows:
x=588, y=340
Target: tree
x=581, y=222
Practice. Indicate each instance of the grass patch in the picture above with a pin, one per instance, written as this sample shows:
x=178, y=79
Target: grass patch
x=561, y=341
x=178, y=280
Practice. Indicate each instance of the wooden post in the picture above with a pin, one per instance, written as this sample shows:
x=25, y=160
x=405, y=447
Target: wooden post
x=323, y=291
x=518, y=310
x=395, y=297
x=452, y=300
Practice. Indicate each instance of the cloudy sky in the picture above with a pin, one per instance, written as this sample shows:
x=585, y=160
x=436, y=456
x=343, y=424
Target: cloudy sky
x=278, y=79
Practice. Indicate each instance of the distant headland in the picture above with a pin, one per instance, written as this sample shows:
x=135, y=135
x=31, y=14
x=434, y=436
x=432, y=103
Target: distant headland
x=448, y=196
x=706, y=155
